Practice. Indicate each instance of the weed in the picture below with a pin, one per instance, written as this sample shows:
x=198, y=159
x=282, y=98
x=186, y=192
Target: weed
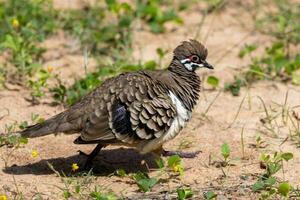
x=144, y=182
x=25, y=24
x=90, y=26
x=282, y=22
x=82, y=186
x=184, y=193
x=13, y=141
x=210, y=195
x=276, y=63
x=39, y=84
x=151, y=11
x=174, y=163
x=169, y=169
x=235, y=86
x=267, y=182
x=213, y=81
x=259, y=143
x=225, y=151
x=120, y=172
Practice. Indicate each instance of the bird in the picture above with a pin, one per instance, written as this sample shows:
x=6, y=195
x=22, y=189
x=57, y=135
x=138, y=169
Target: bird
x=142, y=109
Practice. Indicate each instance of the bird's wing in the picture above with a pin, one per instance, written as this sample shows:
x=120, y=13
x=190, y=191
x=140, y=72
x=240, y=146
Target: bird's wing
x=129, y=109
x=143, y=120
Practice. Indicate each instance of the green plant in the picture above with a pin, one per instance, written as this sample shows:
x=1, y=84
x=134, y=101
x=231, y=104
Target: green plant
x=274, y=64
x=184, y=193
x=98, y=195
x=39, y=83
x=267, y=182
x=225, y=152
x=144, y=182
x=235, y=86
x=174, y=163
x=24, y=24
x=151, y=11
x=82, y=186
x=282, y=22
x=92, y=28
x=11, y=139
x=210, y=195
x=213, y=81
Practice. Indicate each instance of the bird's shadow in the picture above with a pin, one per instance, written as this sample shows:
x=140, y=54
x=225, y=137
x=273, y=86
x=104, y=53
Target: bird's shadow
x=106, y=163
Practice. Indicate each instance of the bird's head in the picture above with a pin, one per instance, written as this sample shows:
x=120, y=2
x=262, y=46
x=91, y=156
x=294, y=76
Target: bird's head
x=192, y=55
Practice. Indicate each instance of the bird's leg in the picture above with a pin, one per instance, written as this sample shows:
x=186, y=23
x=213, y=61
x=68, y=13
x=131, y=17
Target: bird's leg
x=180, y=153
x=91, y=156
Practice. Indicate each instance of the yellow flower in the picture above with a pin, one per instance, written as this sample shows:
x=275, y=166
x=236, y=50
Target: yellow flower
x=15, y=23
x=34, y=153
x=75, y=167
x=49, y=69
x=3, y=197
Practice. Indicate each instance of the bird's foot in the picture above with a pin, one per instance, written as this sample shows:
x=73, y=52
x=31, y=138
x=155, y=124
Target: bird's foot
x=180, y=154
x=90, y=157
x=88, y=164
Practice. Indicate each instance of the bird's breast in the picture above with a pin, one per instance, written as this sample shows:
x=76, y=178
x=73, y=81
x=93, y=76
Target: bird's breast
x=182, y=117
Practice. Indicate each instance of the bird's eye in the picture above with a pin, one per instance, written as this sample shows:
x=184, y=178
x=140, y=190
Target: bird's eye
x=195, y=58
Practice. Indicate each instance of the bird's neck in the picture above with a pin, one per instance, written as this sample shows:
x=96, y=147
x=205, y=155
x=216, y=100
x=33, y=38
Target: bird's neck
x=186, y=84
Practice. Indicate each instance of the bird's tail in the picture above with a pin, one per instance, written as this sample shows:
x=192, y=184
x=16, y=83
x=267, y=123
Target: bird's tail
x=55, y=124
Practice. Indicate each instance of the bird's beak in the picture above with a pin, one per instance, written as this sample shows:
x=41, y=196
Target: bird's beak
x=207, y=65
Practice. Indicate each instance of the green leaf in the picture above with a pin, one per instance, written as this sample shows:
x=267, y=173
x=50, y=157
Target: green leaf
x=151, y=64
x=160, y=163
x=210, y=195
x=174, y=160
x=184, y=193
x=156, y=27
x=213, y=81
x=287, y=156
x=270, y=181
x=144, y=182
x=121, y=172
x=66, y=194
x=259, y=185
x=23, y=140
x=247, y=50
x=295, y=79
x=147, y=184
x=273, y=168
x=160, y=52
x=225, y=150
x=284, y=188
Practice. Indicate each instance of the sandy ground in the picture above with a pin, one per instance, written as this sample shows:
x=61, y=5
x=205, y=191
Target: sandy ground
x=224, y=34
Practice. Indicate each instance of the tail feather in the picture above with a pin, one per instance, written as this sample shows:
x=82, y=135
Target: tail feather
x=56, y=124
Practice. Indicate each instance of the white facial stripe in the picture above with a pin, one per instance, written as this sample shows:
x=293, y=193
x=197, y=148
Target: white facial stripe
x=189, y=65
x=187, y=60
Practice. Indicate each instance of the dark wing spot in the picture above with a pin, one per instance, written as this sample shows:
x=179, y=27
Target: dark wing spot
x=121, y=119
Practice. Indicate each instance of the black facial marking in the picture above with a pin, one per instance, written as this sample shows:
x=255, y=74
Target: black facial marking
x=194, y=66
x=121, y=119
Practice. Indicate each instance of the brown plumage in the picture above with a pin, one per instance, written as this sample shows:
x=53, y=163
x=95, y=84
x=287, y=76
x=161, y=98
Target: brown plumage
x=143, y=109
